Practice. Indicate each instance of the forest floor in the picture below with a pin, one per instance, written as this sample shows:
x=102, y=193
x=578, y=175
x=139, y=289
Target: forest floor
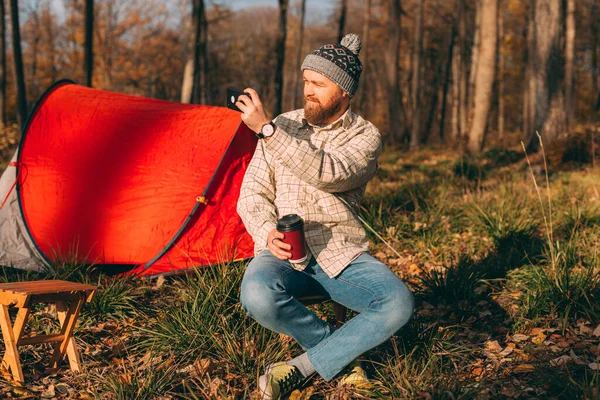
x=501, y=251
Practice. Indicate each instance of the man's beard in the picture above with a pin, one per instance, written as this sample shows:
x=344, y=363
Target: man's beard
x=316, y=114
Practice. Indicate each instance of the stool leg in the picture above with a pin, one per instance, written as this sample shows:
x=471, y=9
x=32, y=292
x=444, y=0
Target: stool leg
x=67, y=330
x=340, y=314
x=19, y=327
x=11, y=357
x=72, y=353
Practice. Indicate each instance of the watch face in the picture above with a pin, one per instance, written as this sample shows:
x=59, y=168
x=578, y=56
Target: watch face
x=267, y=130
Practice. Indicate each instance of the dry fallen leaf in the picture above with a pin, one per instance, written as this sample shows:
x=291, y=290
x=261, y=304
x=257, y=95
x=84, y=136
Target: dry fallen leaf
x=539, y=338
x=22, y=393
x=302, y=395
x=214, y=385
x=49, y=393
x=593, y=366
x=562, y=360
x=62, y=388
x=509, y=349
x=203, y=366
x=493, y=346
x=585, y=330
x=576, y=358
x=523, y=368
x=519, y=337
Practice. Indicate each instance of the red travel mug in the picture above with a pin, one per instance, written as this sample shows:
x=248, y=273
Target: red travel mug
x=292, y=226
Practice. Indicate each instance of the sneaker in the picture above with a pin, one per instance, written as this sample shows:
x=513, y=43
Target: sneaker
x=279, y=379
x=357, y=377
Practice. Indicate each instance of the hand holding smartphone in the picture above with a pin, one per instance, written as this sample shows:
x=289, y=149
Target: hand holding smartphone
x=232, y=98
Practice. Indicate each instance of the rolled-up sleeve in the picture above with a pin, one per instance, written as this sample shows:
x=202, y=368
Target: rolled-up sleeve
x=256, y=205
x=336, y=170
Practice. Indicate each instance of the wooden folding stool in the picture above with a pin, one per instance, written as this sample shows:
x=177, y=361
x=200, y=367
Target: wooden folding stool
x=338, y=309
x=25, y=295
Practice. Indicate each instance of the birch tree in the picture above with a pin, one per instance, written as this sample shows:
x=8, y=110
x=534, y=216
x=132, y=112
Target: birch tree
x=484, y=80
x=569, y=60
x=548, y=74
x=500, y=70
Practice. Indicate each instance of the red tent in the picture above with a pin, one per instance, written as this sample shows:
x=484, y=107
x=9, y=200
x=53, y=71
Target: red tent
x=109, y=178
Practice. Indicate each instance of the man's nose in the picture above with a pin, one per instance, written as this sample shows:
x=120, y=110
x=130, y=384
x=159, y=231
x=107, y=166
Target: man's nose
x=308, y=90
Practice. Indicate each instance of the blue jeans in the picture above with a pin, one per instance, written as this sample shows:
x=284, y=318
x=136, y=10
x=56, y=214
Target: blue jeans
x=367, y=286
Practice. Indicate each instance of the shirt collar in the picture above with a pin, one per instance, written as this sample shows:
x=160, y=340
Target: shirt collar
x=345, y=120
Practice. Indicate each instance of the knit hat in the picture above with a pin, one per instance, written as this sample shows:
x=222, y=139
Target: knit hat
x=338, y=62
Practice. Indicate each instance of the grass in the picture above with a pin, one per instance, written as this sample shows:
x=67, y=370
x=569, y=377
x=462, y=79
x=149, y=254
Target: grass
x=490, y=252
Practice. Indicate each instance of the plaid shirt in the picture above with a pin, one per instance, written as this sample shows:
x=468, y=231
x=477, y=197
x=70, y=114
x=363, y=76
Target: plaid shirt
x=319, y=173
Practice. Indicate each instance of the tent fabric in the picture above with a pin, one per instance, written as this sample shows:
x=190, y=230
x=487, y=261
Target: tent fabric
x=108, y=178
x=16, y=248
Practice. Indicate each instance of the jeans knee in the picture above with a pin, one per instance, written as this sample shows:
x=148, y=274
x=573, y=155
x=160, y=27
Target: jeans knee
x=398, y=308
x=259, y=301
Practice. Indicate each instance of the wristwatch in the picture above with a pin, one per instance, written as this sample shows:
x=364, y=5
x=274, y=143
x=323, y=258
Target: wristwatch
x=267, y=130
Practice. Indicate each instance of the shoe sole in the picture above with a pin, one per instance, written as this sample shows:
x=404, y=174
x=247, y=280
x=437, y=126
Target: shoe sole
x=262, y=384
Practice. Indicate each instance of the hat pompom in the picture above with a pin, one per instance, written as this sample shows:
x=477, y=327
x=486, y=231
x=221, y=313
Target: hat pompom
x=352, y=42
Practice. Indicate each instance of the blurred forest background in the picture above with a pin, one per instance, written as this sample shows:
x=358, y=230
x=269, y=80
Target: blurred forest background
x=465, y=73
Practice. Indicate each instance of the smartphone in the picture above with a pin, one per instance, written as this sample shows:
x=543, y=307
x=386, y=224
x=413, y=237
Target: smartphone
x=232, y=97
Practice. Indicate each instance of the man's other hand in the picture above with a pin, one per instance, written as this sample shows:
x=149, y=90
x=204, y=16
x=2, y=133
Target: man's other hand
x=253, y=114
x=277, y=247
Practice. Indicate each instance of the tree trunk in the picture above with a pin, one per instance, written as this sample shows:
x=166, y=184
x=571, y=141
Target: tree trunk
x=111, y=22
x=365, y=59
x=501, y=71
x=2, y=64
x=299, y=54
x=204, y=54
x=280, y=51
x=594, y=26
x=463, y=110
x=392, y=60
x=342, y=24
x=33, y=80
x=437, y=93
x=474, y=56
x=550, y=116
x=188, y=82
x=415, y=136
x=447, y=81
x=88, y=64
x=484, y=80
x=50, y=31
x=569, y=59
x=198, y=17
x=529, y=84
x=19, y=76
x=457, y=76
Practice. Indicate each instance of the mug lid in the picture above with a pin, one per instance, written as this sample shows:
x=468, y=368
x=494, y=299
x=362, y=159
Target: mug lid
x=290, y=222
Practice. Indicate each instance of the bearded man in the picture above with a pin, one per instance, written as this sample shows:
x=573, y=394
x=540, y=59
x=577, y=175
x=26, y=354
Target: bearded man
x=315, y=162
